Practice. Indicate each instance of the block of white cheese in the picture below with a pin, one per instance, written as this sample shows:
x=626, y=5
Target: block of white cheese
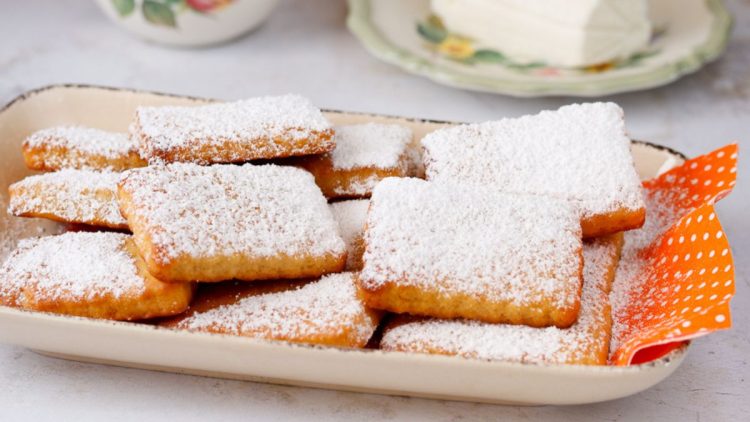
x=557, y=32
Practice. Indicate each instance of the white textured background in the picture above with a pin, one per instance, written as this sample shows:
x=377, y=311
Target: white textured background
x=306, y=49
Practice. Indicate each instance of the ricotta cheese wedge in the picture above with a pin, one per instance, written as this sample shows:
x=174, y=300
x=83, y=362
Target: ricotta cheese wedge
x=557, y=32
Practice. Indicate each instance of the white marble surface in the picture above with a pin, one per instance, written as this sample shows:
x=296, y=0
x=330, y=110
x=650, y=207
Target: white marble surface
x=306, y=49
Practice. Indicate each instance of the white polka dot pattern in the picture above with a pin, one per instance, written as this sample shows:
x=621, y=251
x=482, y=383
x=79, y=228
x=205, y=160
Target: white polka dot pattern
x=676, y=276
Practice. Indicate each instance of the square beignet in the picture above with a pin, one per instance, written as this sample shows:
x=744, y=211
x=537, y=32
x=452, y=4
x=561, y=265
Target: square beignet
x=325, y=311
x=453, y=251
x=69, y=196
x=578, y=153
x=256, y=128
x=222, y=222
x=585, y=343
x=95, y=275
x=80, y=147
x=351, y=216
x=364, y=155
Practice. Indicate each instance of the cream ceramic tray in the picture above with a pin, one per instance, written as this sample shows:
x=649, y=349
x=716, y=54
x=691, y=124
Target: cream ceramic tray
x=144, y=346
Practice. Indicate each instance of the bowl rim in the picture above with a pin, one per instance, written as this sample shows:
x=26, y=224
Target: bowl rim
x=48, y=87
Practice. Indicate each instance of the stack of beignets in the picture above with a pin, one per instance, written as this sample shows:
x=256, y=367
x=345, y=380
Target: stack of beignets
x=506, y=252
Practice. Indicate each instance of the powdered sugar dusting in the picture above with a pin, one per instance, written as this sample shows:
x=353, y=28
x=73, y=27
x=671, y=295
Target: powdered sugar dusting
x=358, y=186
x=514, y=248
x=326, y=307
x=579, y=153
x=522, y=343
x=205, y=211
x=81, y=196
x=84, y=139
x=377, y=145
x=72, y=266
x=212, y=126
x=351, y=216
x=662, y=214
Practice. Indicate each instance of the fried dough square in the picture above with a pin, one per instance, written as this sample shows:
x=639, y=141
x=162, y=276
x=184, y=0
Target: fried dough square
x=351, y=216
x=80, y=147
x=460, y=252
x=256, y=128
x=585, y=343
x=69, y=196
x=326, y=311
x=223, y=222
x=578, y=153
x=364, y=155
x=95, y=275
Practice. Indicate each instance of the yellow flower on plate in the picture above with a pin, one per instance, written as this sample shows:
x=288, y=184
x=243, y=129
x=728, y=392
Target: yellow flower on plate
x=456, y=47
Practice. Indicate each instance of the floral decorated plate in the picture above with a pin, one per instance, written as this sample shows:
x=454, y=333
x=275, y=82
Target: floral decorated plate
x=408, y=35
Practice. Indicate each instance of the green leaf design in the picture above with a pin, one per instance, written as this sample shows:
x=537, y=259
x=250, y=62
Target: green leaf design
x=431, y=33
x=526, y=66
x=158, y=13
x=124, y=7
x=644, y=55
x=490, y=56
x=636, y=58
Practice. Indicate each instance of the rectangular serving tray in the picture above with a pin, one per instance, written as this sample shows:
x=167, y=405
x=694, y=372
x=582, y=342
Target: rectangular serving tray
x=148, y=347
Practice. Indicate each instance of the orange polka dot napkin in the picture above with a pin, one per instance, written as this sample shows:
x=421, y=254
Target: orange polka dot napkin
x=676, y=275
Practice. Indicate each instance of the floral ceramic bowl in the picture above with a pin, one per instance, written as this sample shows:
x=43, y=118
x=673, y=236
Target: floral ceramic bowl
x=188, y=22
x=408, y=35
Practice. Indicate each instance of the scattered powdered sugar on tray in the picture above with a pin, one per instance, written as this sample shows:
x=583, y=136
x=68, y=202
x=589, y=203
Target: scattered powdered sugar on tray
x=522, y=343
x=14, y=229
x=81, y=196
x=219, y=210
x=84, y=139
x=377, y=145
x=211, y=126
x=579, y=152
x=351, y=216
x=326, y=307
x=470, y=240
x=71, y=266
x=662, y=214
